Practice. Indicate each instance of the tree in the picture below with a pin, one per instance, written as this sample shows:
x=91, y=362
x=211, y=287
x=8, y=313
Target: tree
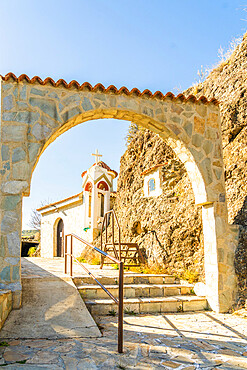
x=35, y=217
x=35, y=220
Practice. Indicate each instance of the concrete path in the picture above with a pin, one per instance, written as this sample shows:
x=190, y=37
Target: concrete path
x=52, y=308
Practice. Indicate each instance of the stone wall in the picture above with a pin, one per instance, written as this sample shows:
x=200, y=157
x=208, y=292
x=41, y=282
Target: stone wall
x=5, y=305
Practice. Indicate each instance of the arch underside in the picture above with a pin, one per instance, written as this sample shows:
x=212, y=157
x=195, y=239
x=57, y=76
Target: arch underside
x=167, y=135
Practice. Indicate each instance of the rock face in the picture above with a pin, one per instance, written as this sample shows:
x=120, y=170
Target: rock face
x=227, y=83
x=167, y=228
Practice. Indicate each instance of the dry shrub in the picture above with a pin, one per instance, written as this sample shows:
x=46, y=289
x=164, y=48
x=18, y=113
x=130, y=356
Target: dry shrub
x=90, y=256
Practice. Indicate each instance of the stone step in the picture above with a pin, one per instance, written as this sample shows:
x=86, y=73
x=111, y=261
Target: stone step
x=128, y=279
x=135, y=290
x=102, y=307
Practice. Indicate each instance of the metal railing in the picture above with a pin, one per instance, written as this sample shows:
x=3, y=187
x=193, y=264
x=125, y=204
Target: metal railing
x=122, y=254
x=105, y=225
x=118, y=301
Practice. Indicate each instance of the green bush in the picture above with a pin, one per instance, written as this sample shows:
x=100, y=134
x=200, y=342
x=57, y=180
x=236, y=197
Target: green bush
x=31, y=251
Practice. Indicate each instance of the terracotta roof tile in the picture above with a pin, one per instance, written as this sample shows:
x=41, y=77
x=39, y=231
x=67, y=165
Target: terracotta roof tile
x=103, y=165
x=110, y=89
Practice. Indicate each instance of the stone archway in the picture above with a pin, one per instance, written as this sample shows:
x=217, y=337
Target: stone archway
x=35, y=112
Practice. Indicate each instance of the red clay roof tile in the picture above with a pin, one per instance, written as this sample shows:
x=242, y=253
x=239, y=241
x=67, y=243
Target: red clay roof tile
x=103, y=165
x=109, y=89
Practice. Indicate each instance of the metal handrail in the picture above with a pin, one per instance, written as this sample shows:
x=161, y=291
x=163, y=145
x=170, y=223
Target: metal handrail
x=105, y=222
x=118, y=301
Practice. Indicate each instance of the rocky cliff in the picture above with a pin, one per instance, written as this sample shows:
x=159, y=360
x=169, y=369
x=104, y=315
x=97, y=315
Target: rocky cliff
x=169, y=227
x=228, y=84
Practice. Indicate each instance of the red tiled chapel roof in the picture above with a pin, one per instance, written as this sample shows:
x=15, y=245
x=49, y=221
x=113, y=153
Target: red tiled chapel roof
x=103, y=165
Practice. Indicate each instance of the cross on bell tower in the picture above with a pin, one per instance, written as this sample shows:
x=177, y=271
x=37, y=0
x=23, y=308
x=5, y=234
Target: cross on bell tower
x=97, y=156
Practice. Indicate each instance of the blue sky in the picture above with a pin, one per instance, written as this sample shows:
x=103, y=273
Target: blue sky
x=158, y=45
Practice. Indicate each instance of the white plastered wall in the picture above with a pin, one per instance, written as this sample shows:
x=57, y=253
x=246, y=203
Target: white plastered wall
x=73, y=219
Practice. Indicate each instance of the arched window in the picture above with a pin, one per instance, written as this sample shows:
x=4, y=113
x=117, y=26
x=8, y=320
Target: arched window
x=102, y=204
x=102, y=185
x=151, y=185
x=88, y=186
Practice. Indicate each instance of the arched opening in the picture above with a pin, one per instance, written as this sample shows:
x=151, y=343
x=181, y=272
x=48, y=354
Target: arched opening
x=182, y=153
x=59, y=239
x=102, y=185
x=102, y=204
x=88, y=186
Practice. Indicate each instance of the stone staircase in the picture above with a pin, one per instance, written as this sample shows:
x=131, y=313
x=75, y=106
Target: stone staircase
x=143, y=293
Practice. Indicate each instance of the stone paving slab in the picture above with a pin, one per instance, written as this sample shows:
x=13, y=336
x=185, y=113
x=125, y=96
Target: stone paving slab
x=52, y=308
x=187, y=341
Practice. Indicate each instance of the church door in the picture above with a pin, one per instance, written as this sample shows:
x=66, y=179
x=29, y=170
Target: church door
x=60, y=230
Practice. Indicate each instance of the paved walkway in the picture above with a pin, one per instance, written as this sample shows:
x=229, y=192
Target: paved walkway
x=173, y=341
x=52, y=308
x=43, y=267
x=186, y=341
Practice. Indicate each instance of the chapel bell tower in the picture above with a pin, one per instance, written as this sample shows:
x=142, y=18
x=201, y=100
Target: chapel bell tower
x=97, y=185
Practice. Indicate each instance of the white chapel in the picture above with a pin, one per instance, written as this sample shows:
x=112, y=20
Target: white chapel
x=81, y=214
